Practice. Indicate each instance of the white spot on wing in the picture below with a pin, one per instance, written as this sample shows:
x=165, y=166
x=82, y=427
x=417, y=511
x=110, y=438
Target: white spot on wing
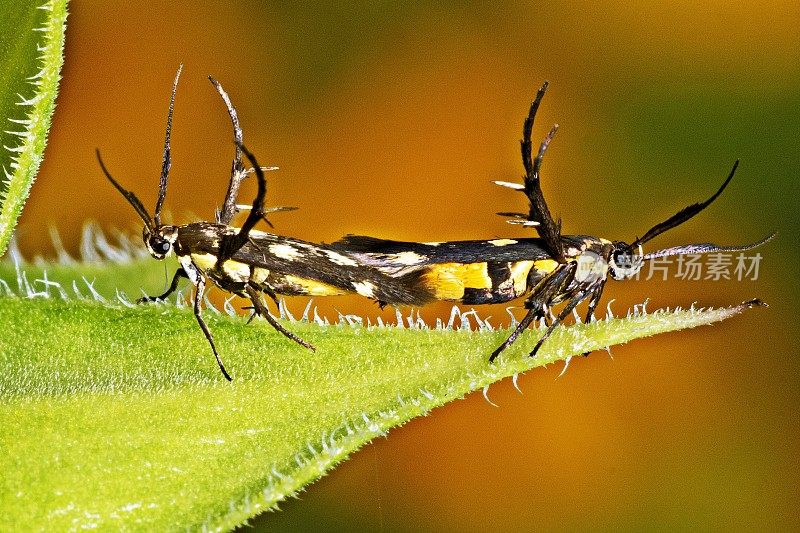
x=408, y=258
x=339, y=259
x=284, y=251
x=364, y=288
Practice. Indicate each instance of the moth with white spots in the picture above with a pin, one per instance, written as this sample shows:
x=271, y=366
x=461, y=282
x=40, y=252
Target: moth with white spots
x=547, y=270
x=250, y=263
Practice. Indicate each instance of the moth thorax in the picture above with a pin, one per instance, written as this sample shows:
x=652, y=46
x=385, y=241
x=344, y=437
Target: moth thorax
x=590, y=267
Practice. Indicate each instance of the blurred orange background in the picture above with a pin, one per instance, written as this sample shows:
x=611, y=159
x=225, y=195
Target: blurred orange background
x=390, y=119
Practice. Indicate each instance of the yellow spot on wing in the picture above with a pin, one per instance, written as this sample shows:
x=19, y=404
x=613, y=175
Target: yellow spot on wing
x=502, y=242
x=260, y=275
x=545, y=265
x=448, y=280
x=204, y=261
x=236, y=270
x=519, y=276
x=314, y=288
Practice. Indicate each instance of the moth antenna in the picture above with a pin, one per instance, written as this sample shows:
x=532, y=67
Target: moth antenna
x=237, y=129
x=510, y=185
x=705, y=248
x=167, y=162
x=684, y=214
x=277, y=209
x=537, y=163
x=257, y=211
x=549, y=230
x=132, y=199
x=231, y=244
x=238, y=172
x=527, y=129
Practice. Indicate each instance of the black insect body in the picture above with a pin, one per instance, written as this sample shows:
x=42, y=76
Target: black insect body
x=547, y=270
x=248, y=262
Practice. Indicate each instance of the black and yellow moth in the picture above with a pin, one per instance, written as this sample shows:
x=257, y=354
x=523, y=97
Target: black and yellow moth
x=247, y=262
x=547, y=270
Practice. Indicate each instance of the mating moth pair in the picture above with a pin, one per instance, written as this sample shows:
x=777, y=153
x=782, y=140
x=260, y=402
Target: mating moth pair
x=546, y=271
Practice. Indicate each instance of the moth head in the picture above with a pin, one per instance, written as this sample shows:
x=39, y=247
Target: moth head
x=626, y=260
x=158, y=238
x=159, y=242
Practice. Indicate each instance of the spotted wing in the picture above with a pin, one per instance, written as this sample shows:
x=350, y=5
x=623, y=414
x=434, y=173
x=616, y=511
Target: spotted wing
x=314, y=268
x=471, y=272
x=398, y=255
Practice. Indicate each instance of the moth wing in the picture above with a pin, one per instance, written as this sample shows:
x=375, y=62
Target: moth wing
x=386, y=254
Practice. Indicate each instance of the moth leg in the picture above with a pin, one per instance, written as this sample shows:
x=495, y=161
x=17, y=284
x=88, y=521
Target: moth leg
x=238, y=172
x=201, y=285
x=260, y=308
x=529, y=317
x=270, y=293
x=578, y=298
x=542, y=295
x=180, y=273
x=596, y=294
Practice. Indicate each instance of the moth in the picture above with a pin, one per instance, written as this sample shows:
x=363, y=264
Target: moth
x=546, y=271
x=248, y=262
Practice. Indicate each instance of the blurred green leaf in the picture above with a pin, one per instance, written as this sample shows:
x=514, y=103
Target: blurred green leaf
x=31, y=55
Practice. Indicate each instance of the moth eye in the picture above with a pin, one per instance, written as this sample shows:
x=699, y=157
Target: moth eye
x=160, y=245
x=623, y=258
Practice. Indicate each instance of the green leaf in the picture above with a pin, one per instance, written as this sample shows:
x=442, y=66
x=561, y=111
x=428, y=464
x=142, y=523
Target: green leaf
x=31, y=55
x=117, y=417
